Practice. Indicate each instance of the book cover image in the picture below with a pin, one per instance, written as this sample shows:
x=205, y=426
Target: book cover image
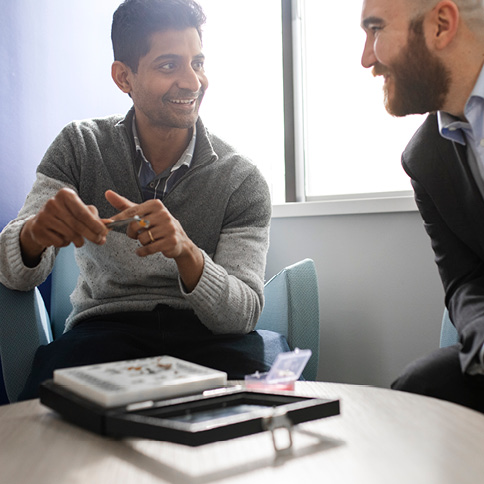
x=124, y=382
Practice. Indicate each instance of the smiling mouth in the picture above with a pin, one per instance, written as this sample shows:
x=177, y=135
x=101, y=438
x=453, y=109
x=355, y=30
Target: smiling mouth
x=384, y=75
x=183, y=101
x=380, y=70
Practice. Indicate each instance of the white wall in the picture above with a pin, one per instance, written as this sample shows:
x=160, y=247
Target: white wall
x=381, y=299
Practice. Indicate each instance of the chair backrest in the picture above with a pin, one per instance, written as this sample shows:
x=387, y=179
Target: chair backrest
x=291, y=303
x=292, y=309
x=64, y=280
x=24, y=326
x=448, y=333
x=25, y=323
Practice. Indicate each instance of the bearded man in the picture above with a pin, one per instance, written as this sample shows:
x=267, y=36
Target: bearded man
x=431, y=56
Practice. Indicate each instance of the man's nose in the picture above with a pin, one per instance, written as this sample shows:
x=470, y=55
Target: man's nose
x=368, y=58
x=190, y=80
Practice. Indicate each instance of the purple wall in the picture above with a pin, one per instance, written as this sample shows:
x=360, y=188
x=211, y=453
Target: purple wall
x=56, y=66
x=55, y=58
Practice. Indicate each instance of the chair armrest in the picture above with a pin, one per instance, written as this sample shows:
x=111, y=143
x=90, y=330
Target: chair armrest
x=275, y=313
x=304, y=324
x=292, y=309
x=24, y=326
x=448, y=333
x=64, y=279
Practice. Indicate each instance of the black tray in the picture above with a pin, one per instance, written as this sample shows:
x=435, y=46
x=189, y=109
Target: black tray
x=215, y=415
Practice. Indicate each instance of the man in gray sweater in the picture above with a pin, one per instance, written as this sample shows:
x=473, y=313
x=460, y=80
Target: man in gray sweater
x=189, y=284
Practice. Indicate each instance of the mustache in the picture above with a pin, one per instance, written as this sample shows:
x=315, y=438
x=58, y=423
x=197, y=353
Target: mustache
x=185, y=93
x=379, y=70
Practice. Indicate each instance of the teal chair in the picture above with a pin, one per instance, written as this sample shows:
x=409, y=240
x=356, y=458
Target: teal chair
x=25, y=323
x=292, y=309
x=448, y=333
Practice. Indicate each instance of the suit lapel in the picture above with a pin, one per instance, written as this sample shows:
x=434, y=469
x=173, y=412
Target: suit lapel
x=457, y=192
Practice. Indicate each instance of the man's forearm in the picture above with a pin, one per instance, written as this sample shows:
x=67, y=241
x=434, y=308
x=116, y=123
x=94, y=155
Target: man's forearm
x=190, y=267
x=31, y=250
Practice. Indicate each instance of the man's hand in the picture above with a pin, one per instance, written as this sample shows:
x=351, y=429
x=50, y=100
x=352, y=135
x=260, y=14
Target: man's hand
x=164, y=234
x=62, y=220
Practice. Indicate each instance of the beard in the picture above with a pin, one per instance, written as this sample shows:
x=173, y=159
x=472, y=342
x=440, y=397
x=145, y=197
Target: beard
x=419, y=79
x=162, y=113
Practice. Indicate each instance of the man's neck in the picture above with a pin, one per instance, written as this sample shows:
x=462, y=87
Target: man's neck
x=456, y=101
x=465, y=70
x=163, y=147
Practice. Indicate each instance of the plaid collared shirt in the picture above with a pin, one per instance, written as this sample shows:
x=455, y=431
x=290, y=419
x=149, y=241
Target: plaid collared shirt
x=157, y=186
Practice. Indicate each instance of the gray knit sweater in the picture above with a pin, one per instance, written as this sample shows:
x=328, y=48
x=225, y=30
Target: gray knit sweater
x=222, y=202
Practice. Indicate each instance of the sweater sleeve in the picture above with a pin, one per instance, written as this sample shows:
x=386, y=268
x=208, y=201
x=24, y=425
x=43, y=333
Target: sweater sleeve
x=14, y=274
x=229, y=296
x=59, y=158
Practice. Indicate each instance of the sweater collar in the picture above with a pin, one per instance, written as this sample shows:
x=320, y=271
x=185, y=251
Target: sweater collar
x=204, y=152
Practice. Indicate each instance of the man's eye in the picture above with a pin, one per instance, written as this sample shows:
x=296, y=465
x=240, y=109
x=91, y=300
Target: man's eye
x=198, y=66
x=167, y=67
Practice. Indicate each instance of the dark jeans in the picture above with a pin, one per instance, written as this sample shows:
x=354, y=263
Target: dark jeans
x=163, y=331
x=439, y=375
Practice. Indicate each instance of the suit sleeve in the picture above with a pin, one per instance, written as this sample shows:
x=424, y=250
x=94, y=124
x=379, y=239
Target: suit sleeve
x=461, y=271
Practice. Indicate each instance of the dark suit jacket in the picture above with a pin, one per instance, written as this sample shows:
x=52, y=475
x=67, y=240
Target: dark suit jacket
x=452, y=209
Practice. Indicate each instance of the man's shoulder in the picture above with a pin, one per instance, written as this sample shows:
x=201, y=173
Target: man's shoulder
x=91, y=135
x=225, y=152
x=428, y=130
x=228, y=153
x=101, y=124
x=232, y=167
x=92, y=131
x=425, y=142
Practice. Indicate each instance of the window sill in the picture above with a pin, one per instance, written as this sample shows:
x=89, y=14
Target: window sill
x=347, y=205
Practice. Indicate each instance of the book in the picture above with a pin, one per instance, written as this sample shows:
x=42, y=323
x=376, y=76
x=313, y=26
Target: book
x=124, y=382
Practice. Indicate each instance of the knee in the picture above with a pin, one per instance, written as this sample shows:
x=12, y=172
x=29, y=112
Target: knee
x=414, y=379
x=432, y=375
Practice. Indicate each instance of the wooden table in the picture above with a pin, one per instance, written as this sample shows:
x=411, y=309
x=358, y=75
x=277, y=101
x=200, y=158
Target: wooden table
x=381, y=436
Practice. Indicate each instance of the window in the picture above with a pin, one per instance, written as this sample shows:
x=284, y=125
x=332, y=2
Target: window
x=244, y=102
x=344, y=140
x=351, y=144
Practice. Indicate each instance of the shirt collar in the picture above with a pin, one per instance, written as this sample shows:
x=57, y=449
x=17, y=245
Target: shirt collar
x=185, y=158
x=453, y=128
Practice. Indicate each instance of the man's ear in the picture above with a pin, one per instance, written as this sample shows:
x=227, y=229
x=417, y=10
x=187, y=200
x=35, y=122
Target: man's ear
x=121, y=75
x=444, y=21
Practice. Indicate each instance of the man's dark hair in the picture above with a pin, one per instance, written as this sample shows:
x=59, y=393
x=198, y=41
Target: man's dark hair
x=135, y=21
